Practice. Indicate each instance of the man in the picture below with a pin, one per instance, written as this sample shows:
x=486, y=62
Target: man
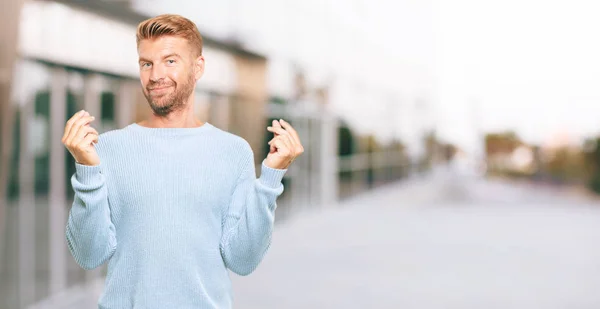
x=171, y=203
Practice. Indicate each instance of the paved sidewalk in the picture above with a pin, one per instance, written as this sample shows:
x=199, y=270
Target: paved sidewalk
x=434, y=244
x=442, y=241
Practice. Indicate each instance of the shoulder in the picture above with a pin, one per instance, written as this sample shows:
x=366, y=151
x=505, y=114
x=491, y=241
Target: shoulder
x=111, y=141
x=108, y=137
x=236, y=151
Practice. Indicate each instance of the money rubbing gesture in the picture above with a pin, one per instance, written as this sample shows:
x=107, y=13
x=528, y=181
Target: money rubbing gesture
x=80, y=137
x=285, y=145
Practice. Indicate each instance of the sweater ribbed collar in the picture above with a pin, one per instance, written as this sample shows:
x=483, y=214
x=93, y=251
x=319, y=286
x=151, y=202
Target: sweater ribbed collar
x=171, y=131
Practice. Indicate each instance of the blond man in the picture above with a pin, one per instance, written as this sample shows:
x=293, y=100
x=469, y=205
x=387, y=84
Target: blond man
x=171, y=203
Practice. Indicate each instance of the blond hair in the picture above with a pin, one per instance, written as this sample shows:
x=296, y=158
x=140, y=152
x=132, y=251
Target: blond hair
x=170, y=24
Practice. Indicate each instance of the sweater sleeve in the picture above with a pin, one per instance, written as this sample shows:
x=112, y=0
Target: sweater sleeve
x=90, y=232
x=248, y=223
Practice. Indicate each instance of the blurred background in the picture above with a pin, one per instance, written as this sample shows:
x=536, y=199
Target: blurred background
x=451, y=159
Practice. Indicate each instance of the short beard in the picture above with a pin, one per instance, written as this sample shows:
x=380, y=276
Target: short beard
x=173, y=102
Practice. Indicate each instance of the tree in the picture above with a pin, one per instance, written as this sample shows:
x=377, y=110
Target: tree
x=592, y=159
x=345, y=141
x=501, y=143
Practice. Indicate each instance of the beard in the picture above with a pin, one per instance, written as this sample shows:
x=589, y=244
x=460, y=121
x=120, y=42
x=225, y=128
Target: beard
x=165, y=104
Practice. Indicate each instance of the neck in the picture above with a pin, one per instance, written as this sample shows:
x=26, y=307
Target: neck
x=183, y=118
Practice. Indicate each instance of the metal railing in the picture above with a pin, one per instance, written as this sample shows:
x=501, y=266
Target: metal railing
x=364, y=171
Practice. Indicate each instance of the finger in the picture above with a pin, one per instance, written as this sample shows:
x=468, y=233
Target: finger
x=77, y=126
x=276, y=123
x=82, y=133
x=273, y=140
x=277, y=130
x=88, y=140
x=93, y=131
x=295, y=145
x=287, y=139
x=273, y=124
x=287, y=143
x=276, y=138
x=281, y=146
x=78, y=130
x=292, y=132
x=70, y=123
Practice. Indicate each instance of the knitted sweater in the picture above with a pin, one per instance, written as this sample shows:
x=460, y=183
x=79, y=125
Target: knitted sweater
x=171, y=210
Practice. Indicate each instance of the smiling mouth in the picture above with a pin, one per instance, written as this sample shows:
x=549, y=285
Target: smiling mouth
x=159, y=88
x=159, y=91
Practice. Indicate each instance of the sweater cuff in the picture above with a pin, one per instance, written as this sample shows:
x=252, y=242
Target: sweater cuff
x=87, y=174
x=271, y=177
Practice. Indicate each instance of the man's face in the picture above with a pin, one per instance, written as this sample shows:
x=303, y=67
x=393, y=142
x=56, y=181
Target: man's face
x=168, y=72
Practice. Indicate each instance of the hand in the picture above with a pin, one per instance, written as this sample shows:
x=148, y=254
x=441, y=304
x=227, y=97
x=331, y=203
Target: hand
x=80, y=137
x=285, y=145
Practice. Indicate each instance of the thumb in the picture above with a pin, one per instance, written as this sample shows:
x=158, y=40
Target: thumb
x=272, y=148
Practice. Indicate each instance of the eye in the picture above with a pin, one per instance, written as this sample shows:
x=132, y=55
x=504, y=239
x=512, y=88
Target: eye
x=170, y=61
x=145, y=64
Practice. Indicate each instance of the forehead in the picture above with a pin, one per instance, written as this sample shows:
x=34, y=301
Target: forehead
x=163, y=45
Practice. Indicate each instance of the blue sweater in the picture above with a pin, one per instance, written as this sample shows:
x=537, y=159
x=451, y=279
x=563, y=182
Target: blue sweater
x=171, y=210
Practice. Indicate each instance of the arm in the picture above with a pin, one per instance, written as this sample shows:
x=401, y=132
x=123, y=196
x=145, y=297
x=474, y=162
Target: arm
x=248, y=222
x=90, y=232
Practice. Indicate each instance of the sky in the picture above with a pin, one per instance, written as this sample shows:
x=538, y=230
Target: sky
x=529, y=66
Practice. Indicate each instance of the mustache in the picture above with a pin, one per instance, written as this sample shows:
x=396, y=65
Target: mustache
x=154, y=85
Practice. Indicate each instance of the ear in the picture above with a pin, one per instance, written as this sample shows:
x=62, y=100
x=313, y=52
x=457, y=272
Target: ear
x=199, y=67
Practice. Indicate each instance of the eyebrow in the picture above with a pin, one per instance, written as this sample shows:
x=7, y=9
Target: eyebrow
x=172, y=55
x=142, y=59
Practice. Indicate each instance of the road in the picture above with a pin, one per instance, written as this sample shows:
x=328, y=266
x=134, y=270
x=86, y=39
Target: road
x=446, y=241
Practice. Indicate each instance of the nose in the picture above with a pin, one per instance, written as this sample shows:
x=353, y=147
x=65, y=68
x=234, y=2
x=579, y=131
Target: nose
x=157, y=73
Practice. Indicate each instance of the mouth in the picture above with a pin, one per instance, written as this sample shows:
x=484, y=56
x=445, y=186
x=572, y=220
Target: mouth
x=158, y=89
